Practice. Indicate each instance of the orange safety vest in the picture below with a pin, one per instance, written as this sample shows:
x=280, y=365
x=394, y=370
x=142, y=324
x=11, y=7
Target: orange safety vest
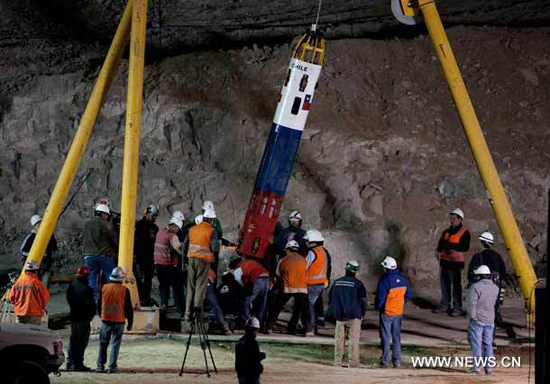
x=317, y=272
x=112, y=302
x=395, y=301
x=292, y=269
x=29, y=296
x=453, y=256
x=199, y=242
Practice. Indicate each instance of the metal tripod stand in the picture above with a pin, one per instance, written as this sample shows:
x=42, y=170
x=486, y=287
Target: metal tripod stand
x=197, y=324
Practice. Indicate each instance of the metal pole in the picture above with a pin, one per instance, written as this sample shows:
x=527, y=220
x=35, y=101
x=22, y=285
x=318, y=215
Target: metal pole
x=486, y=167
x=80, y=141
x=131, y=145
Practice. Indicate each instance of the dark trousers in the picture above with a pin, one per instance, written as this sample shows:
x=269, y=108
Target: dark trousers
x=451, y=287
x=144, y=273
x=253, y=379
x=78, y=341
x=215, y=310
x=170, y=277
x=300, y=310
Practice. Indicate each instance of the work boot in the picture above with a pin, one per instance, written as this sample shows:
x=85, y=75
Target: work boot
x=439, y=310
x=456, y=313
x=69, y=367
x=100, y=369
x=111, y=370
x=309, y=334
x=82, y=368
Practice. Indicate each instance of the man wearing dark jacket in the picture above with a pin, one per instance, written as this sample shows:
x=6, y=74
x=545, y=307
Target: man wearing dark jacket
x=82, y=310
x=454, y=242
x=144, y=250
x=248, y=358
x=348, y=303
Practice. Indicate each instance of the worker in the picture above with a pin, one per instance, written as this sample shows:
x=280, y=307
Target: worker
x=144, y=251
x=318, y=267
x=292, y=284
x=168, y=262
x=82, y=310
x=294, y=231
x=481, y=298
x=99, y=245
x=199, y=248
x=29, y=296
x=248, y=358
x=47, y=260
x=181, y=274
x=454, y=241
x=229, y=293
x=115, y=308
x=209, y=206
x=212, y=298
x=391, y=295
x=254, y=278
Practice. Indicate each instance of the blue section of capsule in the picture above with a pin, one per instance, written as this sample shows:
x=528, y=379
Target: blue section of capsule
x=278, y=159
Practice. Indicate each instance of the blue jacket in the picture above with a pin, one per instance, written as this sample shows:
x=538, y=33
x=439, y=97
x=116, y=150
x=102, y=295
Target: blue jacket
x=392, y=293
x=348, y=298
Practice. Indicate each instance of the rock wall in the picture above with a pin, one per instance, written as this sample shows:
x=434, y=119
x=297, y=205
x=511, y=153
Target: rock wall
x=382, y=160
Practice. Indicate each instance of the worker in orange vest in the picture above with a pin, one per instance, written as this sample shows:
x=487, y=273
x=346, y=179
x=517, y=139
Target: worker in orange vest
x=292, y=275
x=318, y=273
x=454, y=241
x=199, y=249
x=115, y=307
x=29, y=295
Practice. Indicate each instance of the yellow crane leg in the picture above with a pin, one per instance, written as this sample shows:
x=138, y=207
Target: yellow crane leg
x=131, y=146
x=80, y=141
x=499, y=202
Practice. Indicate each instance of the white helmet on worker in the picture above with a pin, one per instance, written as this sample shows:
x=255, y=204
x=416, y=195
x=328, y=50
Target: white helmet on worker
x=152, y=209
x=208, y=205
x=352, y=266
x=177, y=222
x=389, y=263
x=295, y=215
x=482, y=270
x=117, y=274
x=198, y=219
x=252, y=322
x=293, y=245
x=314, y=236
x=35, y=219
x=103, y=208
x=178, y=215
x=31, y=265
x=487, y=237
x=209, y=214
x=457, y=212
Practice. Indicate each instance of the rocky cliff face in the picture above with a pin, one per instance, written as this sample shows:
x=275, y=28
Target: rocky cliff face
x=382, y=160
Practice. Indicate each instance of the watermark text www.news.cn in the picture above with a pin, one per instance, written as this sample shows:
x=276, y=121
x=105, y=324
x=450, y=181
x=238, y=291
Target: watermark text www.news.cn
x=465, y=362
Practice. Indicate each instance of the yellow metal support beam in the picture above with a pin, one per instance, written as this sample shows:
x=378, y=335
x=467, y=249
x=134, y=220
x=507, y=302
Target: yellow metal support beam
x=131, y=145
x=489, y=175
x=80, y=141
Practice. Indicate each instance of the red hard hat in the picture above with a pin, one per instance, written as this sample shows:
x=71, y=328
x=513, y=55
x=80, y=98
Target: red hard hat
x=83, y=271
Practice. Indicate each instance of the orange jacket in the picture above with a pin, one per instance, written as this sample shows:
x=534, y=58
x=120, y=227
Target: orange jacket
x=29, y=296
x=452, y=255
x=112, y=303
x=317, y=271
x=292, y=269
x=199, y=242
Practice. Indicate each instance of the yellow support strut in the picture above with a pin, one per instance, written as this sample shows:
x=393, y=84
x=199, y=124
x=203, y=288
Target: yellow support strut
x=486, y=167
x=131, y=145
x=80, y=141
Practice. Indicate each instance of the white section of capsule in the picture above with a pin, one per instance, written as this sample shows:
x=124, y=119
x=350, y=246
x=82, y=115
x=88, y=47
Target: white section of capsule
x=299, y=84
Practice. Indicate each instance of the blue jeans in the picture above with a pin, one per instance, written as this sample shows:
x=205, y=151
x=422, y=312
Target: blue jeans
x=98, y=263
x=111, y=332
x=313, y=293
x=480, y=337
x=390, y=326
x=258, y=297
x=215, y=310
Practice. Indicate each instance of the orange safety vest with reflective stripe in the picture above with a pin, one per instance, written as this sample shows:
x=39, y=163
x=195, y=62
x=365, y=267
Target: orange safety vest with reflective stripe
x=292, y=269
x=452, y=255
x=317, y=272
x=112, y=302
x=163, y=254
x=29, y=296
x=199, y=242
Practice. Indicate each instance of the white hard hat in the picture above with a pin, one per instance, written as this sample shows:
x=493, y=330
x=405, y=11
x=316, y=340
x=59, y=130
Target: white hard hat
x=457, y=212
x=209, y=214
x=292, y=244
x=389, y=263
x=176, y=221
x=35, y=219
x=487, y=237
x=295, y=215
x=102, y=208
x=208, y=205
x=252, y=322
x=482, y=270
x=31, y=265
x=178, y=215
x=198, y=219
x=313, y=236
x=117, y=274
x=352, y=266
x=152, y=209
